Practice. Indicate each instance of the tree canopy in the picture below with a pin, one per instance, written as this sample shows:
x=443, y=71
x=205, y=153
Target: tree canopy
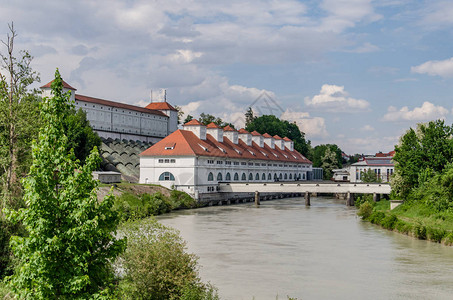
x=70, y=241
x=274, y=126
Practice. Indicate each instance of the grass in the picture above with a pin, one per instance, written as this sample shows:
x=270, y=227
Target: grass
x=414, y=219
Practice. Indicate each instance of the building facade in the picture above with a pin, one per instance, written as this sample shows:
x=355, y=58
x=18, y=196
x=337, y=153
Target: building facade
x=197, y=158
x=382, y=166
x=117, y=120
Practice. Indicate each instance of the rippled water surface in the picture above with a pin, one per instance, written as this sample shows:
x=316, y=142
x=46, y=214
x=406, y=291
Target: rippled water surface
x=320, y=252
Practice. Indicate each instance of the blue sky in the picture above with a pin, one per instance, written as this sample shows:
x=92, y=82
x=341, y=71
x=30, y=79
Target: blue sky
x=357, y=73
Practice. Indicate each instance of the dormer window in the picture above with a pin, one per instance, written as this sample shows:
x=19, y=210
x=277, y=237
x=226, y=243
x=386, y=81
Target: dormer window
x=285, y=155
x=239, y=152
x=253, y=153
x=263, y=153
x=275, y=154
x=170, y=146
x=203, y=147
x=221, y=149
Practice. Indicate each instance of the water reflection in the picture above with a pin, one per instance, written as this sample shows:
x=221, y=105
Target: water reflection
x=320, y=252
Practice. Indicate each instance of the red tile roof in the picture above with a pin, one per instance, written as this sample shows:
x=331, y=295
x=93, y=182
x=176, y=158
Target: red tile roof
x=256, y=133
x=119, y=105
x=161, y=106
x=277, y=137
x=267, y=135
x=65, y=85
x=186, y=143
x=242, y=130
x=193, y=122
x=228, y=128
x=287, y=139
x=213, y=125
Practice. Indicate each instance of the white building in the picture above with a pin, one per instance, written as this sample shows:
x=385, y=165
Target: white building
x=383, y=167
x=123, y=121
x=198, y=157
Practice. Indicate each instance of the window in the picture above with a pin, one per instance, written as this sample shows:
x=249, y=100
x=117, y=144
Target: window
x=280, y=176
x=244, y=177
x=210, y=176
x=210, y=161
x=243, y=163
x=220, y=162
x=290, y=176
x=286, y=176
x=166, y=176
x=228, y=162
x=263, y=177
x=161, y=160
x=172, y=161
x=269, y=177
x=257, y=177
x=236, y=176
x=219, y=177
x=236, y=163
x=250, y=176
x=228, y=176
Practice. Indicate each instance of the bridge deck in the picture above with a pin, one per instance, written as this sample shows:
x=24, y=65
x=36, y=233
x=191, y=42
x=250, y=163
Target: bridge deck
x=311, y=187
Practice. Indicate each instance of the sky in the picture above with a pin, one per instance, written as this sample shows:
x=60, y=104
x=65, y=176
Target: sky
x=356, y=73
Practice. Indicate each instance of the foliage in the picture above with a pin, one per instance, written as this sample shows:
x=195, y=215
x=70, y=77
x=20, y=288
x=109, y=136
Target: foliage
x=131, y=207
x=429, y=146
x=188, y=119
x=81, y=136
x=249, y=117
x=365, y=210
x=207, y=119
x=329, y=162
x=156, y=265
x=19, y=120
x=369, y=176
x=70, y=240
x=319, y=152
x=180, y=113
x=274, y=126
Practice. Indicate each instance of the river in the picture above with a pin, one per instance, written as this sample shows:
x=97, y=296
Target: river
x=283, y=248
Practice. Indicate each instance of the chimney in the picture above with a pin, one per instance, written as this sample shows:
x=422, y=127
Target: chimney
x=280, y=142
x=245, y=136
x=269, y=140
x=258, y=139
x=231, y=134
x=216, y=131
x=289, y=143
x=197, y=128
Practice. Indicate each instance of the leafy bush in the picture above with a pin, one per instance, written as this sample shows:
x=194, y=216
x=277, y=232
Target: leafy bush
x=389, y=221
x=376, y=217
x=449, y=239
x=182, y=199
x=365, y=210
x=403, y=227
x=156, y=265
x=362, y=199
x=420, y=231
x=435, y=235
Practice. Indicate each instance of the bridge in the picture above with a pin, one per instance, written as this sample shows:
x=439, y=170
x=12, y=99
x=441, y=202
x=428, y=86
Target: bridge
x=308, y=188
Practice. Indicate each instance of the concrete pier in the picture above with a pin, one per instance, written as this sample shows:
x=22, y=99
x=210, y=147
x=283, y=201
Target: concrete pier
x=350, y=199
x=257, y=198
x=307, y=199
x=376, y=197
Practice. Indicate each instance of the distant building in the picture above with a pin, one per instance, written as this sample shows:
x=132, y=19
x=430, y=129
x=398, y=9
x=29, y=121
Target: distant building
x=118, y=120
x=197, y=158
x=382, y=166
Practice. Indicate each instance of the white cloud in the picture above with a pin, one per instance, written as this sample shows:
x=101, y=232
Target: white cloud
x=428, y=111
x=365, y=48
x=367, y=128
x=311, y=126
x=443, y=68
x=334, y=98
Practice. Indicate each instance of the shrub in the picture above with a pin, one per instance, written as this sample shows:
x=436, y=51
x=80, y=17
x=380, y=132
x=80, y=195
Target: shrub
x=420, y=231
x=389, y=221
x=365, y=210
x=435, y=235
x=376, y=217
x=403, y=227
x=182, y=200
x=156, y=265
x=449, y=239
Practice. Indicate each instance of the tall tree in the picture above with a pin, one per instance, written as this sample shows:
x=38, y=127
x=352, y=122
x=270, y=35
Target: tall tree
x=430, y=146
x=319, y=152
x=208, y=118
x=249, y=117
x=18, y=117
x=188, y=119
x=329, y=161
x=70, y=241
x=274, y=126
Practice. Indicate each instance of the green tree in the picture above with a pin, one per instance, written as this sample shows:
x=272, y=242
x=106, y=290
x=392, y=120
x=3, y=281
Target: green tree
x=429, y=146
x=81, y=136
x=19, y=119
x=274, y=126
x=180, y=113
x=319, y=152
x=206, y=119
x=70, y=241
x=249, y=117
x=188, y=119
x=369, y=176
x=329, y=161
x=157, y=267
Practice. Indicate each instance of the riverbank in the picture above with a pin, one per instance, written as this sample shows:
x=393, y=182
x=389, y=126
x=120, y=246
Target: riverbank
x=413, y=219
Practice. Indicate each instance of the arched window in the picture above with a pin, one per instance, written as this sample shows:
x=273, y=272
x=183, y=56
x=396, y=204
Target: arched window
x=244, y=177
x=166, y=176
x=257, y=177
x=286, y=176
x=236, y=176
x=295, y=176
x=219, y=177
x=280, y=176
x=275, y=176
x=228, y=177
x=210, y=176
x=290, y=176
x=269, y=177
x=263, y=177
x=250, y=176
